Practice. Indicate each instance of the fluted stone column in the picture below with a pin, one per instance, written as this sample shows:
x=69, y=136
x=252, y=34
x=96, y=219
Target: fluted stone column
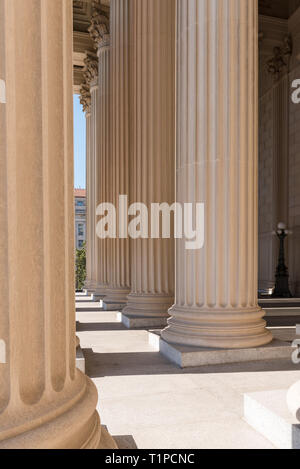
x=44, y=401
x=216, y=287
x=85, y=99
x=119, y=286
x=99, y=32
x=87, y=283
x=94, y=179
x=152, y=149
x=89, y=100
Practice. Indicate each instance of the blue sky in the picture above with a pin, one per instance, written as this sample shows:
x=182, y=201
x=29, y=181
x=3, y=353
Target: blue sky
x=79, y=144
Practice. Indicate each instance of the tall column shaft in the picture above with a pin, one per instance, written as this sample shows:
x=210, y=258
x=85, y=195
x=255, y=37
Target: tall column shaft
x=216, y=287
x=89, y=101
x=152, y=118
x=103, y=162
x=93, y=181
x=44, y=401
x=88, y=282
x=119, y=286
x=99, y=32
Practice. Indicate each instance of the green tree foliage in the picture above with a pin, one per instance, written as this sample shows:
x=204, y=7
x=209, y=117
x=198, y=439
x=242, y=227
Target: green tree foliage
x=80, y=267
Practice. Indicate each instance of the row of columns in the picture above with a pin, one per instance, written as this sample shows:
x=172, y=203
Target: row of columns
x=41, y=392
x=213, y=290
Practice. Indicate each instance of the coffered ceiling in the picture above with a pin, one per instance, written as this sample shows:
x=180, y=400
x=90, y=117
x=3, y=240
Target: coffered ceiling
x=278, y=8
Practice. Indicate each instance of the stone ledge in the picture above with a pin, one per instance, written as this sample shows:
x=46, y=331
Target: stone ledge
x=132, y=321
x=267, y=412
x=188, y=357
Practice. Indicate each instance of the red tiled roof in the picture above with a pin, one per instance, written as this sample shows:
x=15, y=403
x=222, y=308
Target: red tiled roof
x=80, y=192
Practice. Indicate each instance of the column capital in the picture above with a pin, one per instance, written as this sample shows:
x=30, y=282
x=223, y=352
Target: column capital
x=85, y=98
x=99, y=29
x=90, y=75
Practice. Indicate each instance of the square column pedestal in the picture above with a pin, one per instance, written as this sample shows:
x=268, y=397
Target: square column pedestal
x=112, y=306
x=186, y=357
x=134, y=322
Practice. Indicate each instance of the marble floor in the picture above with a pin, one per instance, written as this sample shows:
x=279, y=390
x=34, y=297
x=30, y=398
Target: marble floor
x=148, y=403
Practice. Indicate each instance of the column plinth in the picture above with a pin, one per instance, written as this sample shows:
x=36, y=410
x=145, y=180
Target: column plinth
x=152, y=77
x=217, y=126
x=45, y=402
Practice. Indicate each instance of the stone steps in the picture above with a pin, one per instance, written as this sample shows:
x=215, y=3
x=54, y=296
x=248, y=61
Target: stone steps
x=267, y=412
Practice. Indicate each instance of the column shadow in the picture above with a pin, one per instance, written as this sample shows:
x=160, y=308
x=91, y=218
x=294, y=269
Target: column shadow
x=99, y=365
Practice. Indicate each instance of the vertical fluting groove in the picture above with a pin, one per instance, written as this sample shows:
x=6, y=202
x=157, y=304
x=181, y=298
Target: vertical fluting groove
x=4, y=277
x=28, y=175
x=152, y=55
x=57, y=210
x=11, y=148
x=46, y=182
x=216, y=297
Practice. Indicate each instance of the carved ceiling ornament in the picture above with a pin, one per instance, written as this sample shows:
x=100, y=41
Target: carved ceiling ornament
x=99, y=29
x=281, y=58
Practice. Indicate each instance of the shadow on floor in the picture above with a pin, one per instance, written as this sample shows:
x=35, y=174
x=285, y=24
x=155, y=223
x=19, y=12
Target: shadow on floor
x=100, y=326
x=99, y=365
x=125, y=442
x=85, y=301
x=108, y=326
x=282, y=321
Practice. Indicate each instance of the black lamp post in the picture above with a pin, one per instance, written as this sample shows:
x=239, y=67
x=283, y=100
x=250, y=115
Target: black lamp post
x=282, y=289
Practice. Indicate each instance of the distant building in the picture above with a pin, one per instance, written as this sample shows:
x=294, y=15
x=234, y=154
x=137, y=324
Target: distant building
x=80, y=218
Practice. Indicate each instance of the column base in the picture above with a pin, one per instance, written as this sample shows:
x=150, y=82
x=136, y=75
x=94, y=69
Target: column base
x=96, y=297
x=116, y=299
x=99, y=293
x=47, y=428
x=188, y=357
x=146, y=311
x=88, y=292
x=225, y=329
x=80, y=360
x=112, y=306
x=106, y=441
x=117, y=295
x=137, y=322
